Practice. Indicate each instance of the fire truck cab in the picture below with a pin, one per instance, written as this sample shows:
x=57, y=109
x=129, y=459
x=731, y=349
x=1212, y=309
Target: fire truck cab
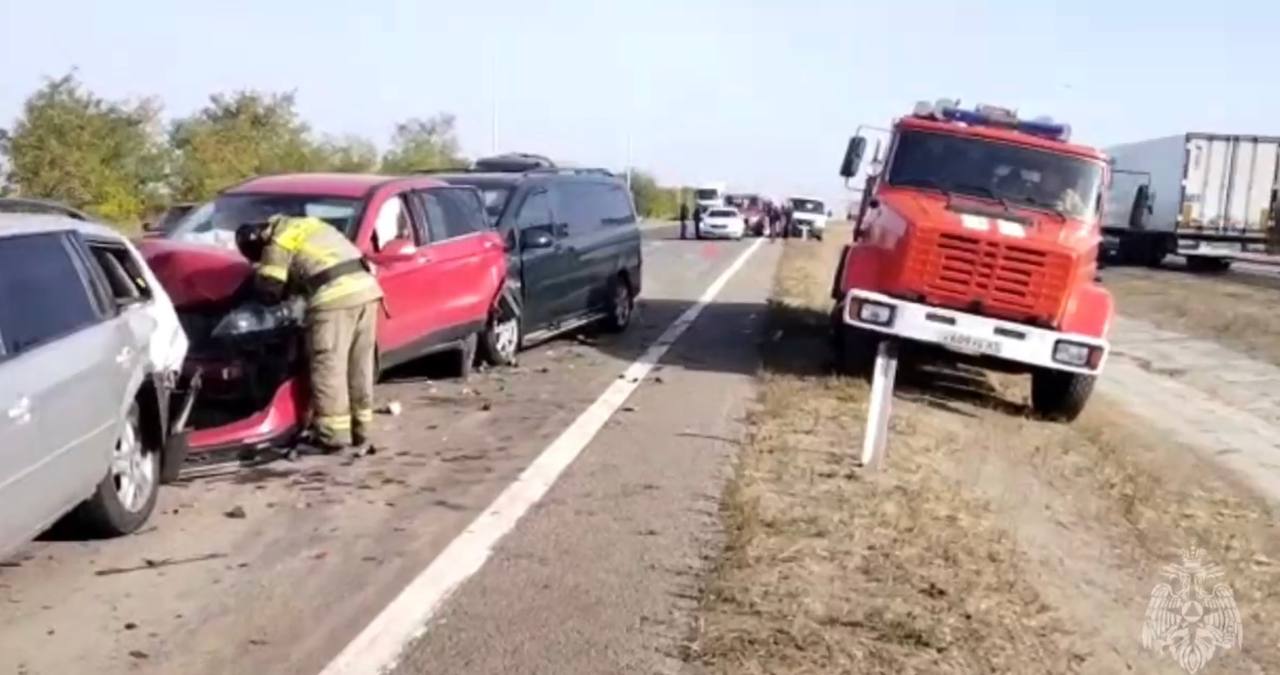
x=978, y=236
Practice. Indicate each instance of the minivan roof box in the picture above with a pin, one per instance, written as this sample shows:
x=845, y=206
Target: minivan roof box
x=520, y=162
x=514, y=162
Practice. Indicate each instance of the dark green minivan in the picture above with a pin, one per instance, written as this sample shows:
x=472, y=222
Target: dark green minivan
x=573, y=252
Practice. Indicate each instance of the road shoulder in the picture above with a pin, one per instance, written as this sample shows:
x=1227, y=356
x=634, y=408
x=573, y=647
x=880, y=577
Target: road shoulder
x=603, y=575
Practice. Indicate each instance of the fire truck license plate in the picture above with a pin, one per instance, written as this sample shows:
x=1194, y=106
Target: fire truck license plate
x=970, y=344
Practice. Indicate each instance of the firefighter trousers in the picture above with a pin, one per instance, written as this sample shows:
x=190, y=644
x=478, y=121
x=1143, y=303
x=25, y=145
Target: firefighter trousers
x=343, y=354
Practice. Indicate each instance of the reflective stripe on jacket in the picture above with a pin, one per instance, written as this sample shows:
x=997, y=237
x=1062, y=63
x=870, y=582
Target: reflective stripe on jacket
x=299, y=248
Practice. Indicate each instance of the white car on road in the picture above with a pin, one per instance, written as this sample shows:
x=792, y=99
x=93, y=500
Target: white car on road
x=724, y=223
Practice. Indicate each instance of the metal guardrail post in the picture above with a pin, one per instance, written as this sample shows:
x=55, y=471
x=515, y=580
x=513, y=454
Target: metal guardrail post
x=883, y=374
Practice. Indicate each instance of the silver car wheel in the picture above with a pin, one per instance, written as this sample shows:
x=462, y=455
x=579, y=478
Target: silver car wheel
x=506, y=337
x=132, y=469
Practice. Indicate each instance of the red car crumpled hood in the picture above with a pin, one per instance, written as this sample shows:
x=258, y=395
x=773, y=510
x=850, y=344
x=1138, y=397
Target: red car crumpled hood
x=193, y=274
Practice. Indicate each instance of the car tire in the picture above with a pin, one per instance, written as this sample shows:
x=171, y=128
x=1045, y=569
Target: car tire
x=126, y=496
x=500, y=341
x=1058, y=395
x=622, y=305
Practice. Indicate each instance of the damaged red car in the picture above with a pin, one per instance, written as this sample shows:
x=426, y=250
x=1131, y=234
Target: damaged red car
x=440, y=264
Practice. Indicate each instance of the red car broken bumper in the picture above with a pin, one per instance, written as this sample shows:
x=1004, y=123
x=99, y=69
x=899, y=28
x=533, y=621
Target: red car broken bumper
x=273, y=426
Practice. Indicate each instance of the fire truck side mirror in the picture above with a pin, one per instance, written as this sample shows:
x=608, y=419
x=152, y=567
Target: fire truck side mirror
x=853, y=157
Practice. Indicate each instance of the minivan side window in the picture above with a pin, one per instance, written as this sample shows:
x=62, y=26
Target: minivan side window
x=535, y=211
x=452, y=212
x=42, y=291
x=617, y=205
x=578, y=204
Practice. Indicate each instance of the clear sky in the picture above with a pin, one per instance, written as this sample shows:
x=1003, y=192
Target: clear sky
x=760, y=94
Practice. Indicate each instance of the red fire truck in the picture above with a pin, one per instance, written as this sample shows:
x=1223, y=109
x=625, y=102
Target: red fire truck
x=978, y=237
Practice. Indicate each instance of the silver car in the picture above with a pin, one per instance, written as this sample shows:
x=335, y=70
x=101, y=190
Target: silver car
x=89, y=349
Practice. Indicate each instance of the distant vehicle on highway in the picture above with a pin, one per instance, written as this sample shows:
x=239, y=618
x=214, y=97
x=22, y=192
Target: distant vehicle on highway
x=710, y=195
x=751, y=206
x=1203, y=196
x=722, y=223
x=809, y=215
x=89, y=347
x=573, y=251
x=440, y=265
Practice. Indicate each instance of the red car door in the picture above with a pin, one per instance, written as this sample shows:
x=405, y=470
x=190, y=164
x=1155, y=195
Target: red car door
x=397, y=245
x=470, y=258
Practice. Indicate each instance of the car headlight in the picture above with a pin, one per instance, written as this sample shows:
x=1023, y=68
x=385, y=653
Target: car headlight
x=869, y=311
x=253, y=317
x=1076, y=354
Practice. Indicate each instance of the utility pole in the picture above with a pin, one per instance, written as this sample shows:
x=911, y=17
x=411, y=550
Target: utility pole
x=493, y=103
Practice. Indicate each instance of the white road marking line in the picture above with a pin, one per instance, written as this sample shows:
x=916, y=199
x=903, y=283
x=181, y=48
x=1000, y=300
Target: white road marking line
x=378, y=648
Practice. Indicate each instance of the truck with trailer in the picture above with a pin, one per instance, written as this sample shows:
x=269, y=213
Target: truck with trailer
x=977, y=239
x=1202, y=196
x=710, y=195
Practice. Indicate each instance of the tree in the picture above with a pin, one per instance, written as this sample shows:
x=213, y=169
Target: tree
x=235, y=137
x=102, y=156
x=420, y=144
x=350, y=154
x=652, y=200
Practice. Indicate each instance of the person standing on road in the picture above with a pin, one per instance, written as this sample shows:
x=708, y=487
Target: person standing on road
x=697, y=221
x=309, y=257
x=684, y=217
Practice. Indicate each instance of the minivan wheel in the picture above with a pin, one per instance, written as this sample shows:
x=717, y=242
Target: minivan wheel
x=125, y=497
x=622, y=305
x=500, y=341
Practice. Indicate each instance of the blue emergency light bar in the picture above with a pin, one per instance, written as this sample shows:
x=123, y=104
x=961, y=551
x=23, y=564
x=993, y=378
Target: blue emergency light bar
x=991, y=116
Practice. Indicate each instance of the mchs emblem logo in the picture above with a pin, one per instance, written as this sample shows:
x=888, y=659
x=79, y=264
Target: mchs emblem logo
x=1192, y=615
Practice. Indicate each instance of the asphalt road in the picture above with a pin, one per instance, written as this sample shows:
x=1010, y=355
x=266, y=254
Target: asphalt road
x=598, y=577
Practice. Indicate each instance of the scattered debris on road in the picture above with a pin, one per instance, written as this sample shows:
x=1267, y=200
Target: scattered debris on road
x=393, y=409
x=235, y=513
x=150, y=564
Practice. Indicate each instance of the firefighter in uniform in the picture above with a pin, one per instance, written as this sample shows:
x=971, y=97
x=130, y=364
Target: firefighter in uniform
x=310, y=256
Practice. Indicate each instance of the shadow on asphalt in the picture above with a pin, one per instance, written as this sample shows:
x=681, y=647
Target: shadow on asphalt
x=797, y=341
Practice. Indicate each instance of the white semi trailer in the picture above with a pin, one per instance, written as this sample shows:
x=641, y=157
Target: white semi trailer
x=1203, y=196
x=710, y=195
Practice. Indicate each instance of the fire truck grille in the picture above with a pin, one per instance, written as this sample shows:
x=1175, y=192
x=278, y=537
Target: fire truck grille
x=1012, y=280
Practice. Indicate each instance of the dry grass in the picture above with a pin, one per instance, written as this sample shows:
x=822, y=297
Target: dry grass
x=991, y=543
x=1237, y=310
x=829, y=570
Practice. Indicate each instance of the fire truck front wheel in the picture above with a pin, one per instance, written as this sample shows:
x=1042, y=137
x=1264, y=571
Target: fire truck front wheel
x=1058, y=395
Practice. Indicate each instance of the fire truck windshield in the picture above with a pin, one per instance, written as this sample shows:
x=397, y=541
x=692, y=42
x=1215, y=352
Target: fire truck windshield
x=1016, y=175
